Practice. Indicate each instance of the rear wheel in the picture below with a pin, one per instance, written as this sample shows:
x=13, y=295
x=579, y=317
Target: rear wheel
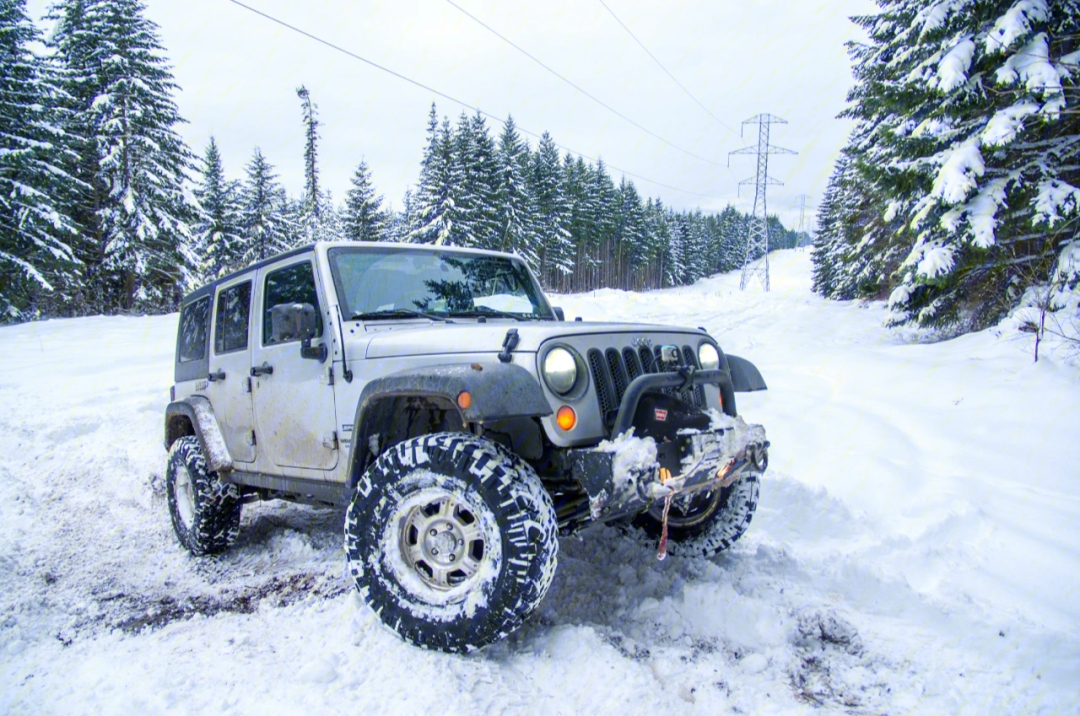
x=707, y=523
x=452, y=540
x=205, y=511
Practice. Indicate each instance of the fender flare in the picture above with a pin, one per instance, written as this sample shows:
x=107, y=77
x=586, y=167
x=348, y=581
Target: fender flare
x=497, y=391
x=745, y=377
x=200, y=415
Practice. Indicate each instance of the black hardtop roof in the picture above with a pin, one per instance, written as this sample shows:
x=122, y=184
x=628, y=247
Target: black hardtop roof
x=208, y=289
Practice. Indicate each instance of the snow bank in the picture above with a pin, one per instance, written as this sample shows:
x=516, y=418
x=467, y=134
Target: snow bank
x=915, y=550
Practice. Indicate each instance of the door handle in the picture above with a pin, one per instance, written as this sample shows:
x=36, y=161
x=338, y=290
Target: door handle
x=219, y=375
x=264, y=369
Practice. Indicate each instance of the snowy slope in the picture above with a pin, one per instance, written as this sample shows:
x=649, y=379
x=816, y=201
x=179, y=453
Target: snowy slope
x=916, y=550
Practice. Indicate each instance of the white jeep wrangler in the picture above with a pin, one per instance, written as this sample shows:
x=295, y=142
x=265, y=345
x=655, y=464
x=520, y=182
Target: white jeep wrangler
x=465, y=424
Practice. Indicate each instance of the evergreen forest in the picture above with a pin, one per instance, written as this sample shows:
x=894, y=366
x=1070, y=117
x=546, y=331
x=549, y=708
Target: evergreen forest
x=104, y=209
x=955, y=198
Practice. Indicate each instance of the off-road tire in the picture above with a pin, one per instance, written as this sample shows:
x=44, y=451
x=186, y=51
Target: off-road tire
x=713, y=523
x=514, y=522
x=206, y=518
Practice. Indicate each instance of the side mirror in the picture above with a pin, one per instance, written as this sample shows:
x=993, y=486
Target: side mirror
x=297, y=321
x=559, y=313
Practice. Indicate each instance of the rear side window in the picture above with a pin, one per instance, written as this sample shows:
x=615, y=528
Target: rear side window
x=194, y=331
x=295, y=284
x=233, y=314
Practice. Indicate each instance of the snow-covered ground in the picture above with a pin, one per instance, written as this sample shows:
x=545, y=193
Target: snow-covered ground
x=916, y=549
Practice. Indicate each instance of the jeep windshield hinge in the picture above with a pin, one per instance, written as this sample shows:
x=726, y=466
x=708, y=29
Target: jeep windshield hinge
x=509, y=344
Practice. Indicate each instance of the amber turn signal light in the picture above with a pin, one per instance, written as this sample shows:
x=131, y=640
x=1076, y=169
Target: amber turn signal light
x=566, y=418
x=464, y=400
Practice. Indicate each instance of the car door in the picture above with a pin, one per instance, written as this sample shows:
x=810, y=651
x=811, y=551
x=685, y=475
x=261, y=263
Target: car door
x=293, y=397
x=229, y=386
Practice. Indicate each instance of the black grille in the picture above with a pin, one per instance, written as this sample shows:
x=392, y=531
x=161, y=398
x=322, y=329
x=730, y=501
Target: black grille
x=612, y=372
x=618, y=372
x=605, y=392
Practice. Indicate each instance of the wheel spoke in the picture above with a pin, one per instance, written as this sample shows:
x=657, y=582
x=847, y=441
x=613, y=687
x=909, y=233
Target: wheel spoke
x=471, y=532
x=415, y=553
x=446, y=508
x=441, y=575
x=468, y=565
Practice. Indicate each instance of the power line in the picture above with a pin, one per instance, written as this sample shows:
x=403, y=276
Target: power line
x=579, y=89
x=661, y=66
x=466, y=105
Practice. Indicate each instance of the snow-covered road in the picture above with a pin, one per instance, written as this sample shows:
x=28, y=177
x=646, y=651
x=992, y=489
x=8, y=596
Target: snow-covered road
x=916, y=548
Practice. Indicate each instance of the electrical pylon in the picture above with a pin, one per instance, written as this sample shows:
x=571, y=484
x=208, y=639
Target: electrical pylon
x=802, y=211
x=758, y=236
x=802, y=217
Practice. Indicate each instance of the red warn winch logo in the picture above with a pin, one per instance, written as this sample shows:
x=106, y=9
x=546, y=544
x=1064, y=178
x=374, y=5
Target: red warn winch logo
x=661, y=415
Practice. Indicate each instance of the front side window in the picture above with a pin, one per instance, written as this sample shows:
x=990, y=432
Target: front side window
x=194, y=330
x=396, y=282
x=233, y=311
x=294, y=284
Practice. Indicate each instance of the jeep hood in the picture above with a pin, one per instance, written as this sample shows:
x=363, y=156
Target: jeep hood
x=446, y=339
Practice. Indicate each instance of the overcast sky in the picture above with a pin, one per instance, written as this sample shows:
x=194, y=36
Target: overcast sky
x=238, y=74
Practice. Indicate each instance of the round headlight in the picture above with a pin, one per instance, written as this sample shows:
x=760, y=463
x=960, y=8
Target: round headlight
x=560, y=370
x=708, y=357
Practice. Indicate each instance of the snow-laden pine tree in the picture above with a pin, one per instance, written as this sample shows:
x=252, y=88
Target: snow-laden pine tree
x=604, y=222
x=734, y=227
x=682, y=245
x=265, y=225
x=965, y=154
x=37, y=264
x=363, y=218
x=705, y=243
x=218, y=244
x=129, y=207
x=474, y=152
x=397, y=223
x=512, y=201
x=629, y=232
x=435, y=215
x=830, y=242
x=331, y=226
x=575, y=187
x=667, y=264
x=699, y=245
x=309, y=212
x=552, y=215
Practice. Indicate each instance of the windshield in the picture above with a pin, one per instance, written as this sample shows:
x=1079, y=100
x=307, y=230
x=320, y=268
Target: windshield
x=399, y=282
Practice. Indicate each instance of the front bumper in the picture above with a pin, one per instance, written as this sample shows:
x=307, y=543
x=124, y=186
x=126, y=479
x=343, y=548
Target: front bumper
x=624, y=476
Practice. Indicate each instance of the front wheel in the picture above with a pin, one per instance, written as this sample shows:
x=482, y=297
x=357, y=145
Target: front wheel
x=705, y=523
x=452, y=541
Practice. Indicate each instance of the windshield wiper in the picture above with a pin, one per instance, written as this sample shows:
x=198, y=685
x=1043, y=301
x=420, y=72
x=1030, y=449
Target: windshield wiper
x=397, y=313
x=486, y=311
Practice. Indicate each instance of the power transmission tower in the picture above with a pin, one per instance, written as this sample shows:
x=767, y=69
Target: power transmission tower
x=758, y=237
x=802, y=217
x=802, y=211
